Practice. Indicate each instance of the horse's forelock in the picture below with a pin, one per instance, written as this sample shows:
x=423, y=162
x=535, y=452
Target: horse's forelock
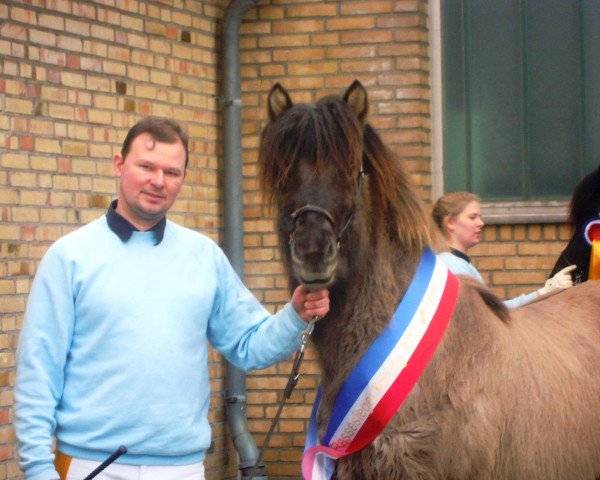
x=339, y=137
x=326, y=134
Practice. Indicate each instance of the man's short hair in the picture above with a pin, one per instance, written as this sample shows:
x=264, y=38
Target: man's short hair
x=161, y=130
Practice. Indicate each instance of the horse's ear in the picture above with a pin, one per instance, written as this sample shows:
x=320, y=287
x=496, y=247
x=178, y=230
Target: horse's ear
x=356, y=98
x=278, y=102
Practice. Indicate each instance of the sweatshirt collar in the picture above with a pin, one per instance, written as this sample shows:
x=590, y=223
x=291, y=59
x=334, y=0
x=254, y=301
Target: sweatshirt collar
x=124, y=229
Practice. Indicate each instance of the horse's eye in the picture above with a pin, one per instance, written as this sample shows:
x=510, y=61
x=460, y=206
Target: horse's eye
x=288, y=223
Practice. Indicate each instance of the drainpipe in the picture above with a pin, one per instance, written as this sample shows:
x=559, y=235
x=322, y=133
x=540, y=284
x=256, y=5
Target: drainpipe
x=233, y=218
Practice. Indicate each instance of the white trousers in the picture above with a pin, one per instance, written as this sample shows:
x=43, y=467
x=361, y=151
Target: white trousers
x=79, y=469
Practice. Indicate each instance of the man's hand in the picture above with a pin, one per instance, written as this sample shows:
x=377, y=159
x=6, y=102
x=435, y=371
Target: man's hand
x=310, y=304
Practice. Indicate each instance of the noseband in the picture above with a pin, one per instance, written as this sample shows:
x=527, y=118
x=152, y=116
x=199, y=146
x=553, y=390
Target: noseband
x=308, y=208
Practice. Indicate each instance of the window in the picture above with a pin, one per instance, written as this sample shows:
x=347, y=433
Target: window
x=521, y=97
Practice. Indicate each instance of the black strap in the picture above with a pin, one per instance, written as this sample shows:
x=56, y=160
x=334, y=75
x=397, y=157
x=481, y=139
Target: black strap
x=120, y=451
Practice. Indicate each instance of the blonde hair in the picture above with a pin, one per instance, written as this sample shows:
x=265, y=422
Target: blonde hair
x=451, y=205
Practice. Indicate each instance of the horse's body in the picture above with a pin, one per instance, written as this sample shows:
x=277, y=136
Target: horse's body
x=584, y=206
x=511, y=396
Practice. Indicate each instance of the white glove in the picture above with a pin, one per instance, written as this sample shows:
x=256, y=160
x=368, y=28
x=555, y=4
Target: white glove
x=561, y=280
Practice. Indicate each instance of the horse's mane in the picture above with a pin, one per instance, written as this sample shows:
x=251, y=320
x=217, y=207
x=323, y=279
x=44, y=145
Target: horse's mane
x=330, y=131
x=394, y=195
x=585, y=201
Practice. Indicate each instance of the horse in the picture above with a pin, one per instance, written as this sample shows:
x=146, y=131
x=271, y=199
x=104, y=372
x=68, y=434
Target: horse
x=584, y=206
x=506, y=395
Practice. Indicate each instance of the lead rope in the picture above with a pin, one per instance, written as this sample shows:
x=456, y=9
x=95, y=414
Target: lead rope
x=120, y=451
x=289, y=388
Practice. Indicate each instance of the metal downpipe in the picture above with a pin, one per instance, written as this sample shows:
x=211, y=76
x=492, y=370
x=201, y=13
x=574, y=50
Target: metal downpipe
x=233, y=218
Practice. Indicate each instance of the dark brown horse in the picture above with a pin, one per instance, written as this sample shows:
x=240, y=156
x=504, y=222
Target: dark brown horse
x=583, y=207
x=512, y=396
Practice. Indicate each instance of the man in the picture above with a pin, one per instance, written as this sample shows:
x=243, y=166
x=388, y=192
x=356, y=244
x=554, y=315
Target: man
x=113, y=348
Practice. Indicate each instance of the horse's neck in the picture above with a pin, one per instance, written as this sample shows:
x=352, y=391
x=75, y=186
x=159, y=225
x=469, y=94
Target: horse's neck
x=361, y=308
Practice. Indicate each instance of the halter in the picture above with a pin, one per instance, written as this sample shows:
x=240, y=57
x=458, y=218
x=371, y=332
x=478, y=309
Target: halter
x=308, y=208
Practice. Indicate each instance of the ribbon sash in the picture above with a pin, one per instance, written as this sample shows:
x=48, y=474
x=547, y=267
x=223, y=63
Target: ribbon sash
x=387, y=372
x=591, y=234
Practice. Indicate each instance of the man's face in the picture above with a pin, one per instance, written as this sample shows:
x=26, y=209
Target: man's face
x=150, y=179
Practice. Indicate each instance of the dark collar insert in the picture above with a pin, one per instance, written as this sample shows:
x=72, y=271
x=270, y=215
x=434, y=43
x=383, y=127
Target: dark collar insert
x=124, y=229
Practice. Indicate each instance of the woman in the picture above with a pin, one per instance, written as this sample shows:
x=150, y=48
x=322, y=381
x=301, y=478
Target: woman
x=458, y=216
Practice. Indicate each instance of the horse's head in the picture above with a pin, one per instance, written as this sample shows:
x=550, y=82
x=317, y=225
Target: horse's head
x=585, y=202
x=341, y=197
x=311, y=168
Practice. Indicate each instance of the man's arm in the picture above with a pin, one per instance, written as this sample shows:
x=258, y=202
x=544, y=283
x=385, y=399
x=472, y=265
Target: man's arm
x=247, y=334
x=41, y=355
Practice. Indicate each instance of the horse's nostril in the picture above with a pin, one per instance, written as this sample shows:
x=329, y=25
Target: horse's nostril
x=333, y=246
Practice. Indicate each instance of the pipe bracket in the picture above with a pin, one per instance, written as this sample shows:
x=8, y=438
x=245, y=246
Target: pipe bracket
x=228, y=103
x=231, y=399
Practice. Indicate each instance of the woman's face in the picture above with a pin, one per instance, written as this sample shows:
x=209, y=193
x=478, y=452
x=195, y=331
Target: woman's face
x=464, y=229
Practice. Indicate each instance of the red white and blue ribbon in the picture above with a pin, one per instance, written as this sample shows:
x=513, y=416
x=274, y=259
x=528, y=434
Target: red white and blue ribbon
x=385, y=375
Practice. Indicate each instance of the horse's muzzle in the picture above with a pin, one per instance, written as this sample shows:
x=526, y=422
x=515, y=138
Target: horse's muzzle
x=314, y=251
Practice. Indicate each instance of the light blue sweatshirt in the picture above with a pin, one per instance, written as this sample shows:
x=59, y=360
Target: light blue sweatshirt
x=460, y=266
x=113, y=348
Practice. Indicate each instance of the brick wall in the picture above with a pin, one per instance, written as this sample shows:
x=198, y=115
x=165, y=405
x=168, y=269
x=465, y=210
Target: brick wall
x=74, y=75
x=516, y=259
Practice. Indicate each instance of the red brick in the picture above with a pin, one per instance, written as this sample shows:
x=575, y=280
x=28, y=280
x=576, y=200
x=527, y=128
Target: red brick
x=26, y=143
x=73, y=61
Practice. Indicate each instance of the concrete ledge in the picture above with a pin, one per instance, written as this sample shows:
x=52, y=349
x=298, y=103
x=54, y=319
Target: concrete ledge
x=502, y=213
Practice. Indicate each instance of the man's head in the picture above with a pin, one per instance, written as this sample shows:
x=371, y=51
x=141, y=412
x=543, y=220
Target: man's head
x=151, y=168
